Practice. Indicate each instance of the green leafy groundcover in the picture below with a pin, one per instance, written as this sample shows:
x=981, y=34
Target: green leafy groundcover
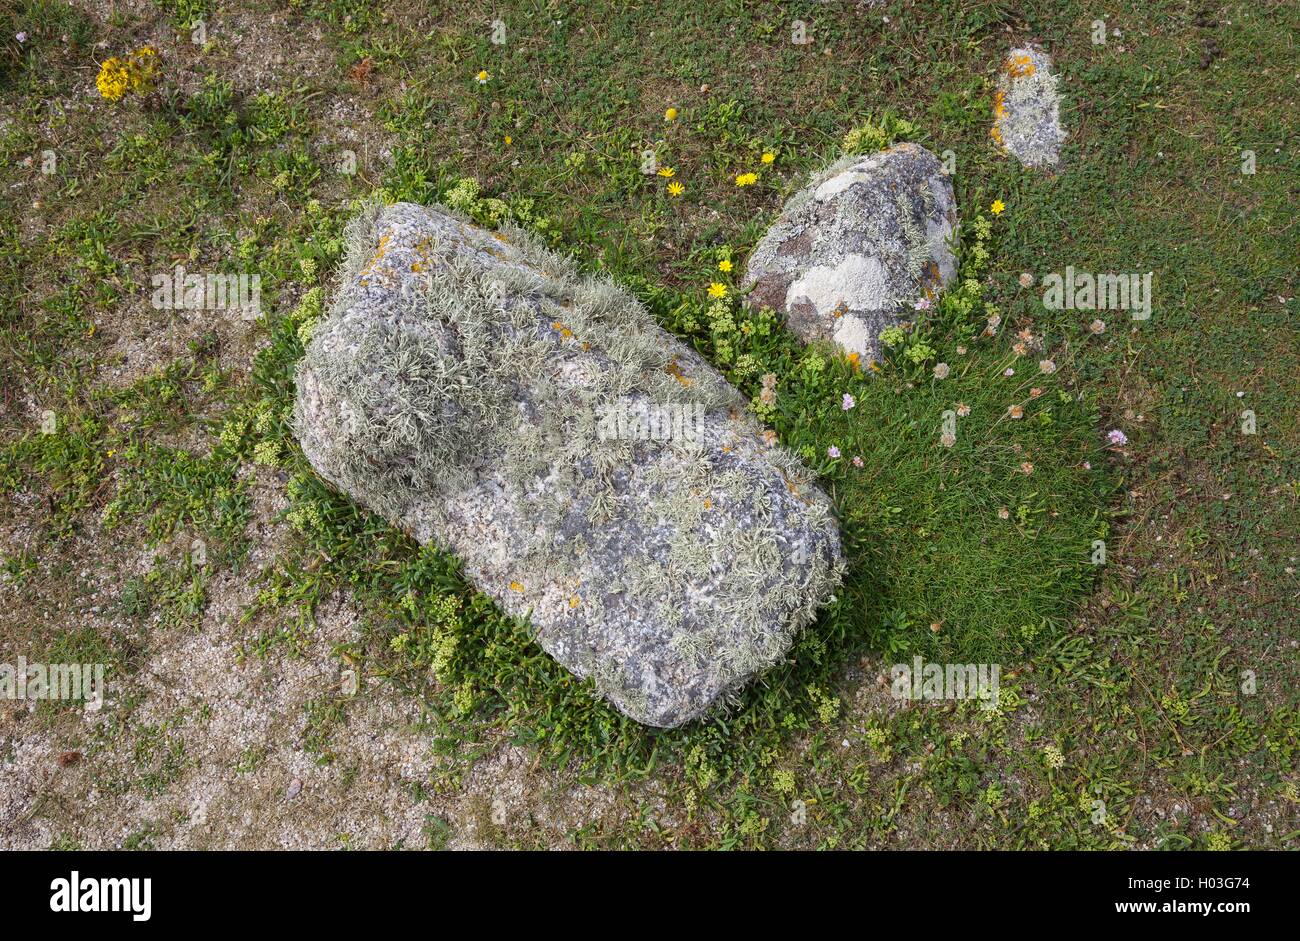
x=965, y=469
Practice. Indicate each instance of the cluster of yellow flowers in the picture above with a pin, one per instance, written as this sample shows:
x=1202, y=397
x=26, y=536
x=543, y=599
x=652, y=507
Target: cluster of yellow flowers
x=675, y=188
x=749, y=179
x=134, y=73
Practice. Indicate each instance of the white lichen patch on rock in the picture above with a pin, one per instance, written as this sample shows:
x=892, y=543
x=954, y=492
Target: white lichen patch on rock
x=854, y=250
x=456, y=389
x=1027, y=108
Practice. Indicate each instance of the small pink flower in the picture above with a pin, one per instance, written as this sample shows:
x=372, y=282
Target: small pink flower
x=941, y=371
x=1019, y=349
x=1016, y=411
x=21, y=37
x=1008, y=371
x=857, y=460
x=947, y=439
x=1035, y=392
x=1026, y=279
x=1004, y=513
x=961, y=351
x=847, y=402
x=1046, y=367
x=1116, y=437
x=922, y=304
x=1087, y=465
x=1097, y=326
x=962, y=409
x=832, y=451
x=1027, y=468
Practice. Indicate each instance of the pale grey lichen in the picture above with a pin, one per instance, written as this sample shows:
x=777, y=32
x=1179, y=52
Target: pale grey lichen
x=854, y=250
x=454, y=389
x=1027, y=108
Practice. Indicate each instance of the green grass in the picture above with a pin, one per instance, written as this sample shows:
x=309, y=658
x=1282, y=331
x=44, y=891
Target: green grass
x=1132, y=672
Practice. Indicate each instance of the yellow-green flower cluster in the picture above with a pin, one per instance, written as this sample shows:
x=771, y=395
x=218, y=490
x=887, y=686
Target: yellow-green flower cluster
x=267, y=453
x=307, y=315
x=305, y=517
x=783, y=781
x=828, y=704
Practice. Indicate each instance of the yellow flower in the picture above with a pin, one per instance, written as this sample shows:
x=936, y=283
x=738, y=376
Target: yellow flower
x=675, y=189
x=508, y=140
x=768, y=156
x=746, y=179
x=114, y=78
x=670, y=114
x=666, y=171
x=482, y=77
x=717, y=289
x=997, y=207
x=724, y=265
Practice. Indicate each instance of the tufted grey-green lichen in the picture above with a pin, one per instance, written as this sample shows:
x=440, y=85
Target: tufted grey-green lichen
x=454, y=388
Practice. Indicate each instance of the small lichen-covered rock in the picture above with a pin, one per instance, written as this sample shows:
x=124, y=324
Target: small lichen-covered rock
x=592, y=472
x=855, y=250
x=1027, y=109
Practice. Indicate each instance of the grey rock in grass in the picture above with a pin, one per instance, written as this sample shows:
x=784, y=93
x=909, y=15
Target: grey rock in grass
x=1027, y=109
x=592, y=472
x=855, y=250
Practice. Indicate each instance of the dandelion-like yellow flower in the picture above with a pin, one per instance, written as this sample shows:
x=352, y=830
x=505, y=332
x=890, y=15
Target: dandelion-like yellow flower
x=998, y=207
x=675, y=189
x=768, y=156
x=508, y=140
x=717, y=289
x=746, y=179
x=670, y=114
x=666, y=171
x=724, y=265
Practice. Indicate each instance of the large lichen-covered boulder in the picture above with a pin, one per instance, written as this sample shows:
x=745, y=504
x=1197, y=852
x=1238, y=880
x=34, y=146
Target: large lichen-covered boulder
x=855, y=250
x=1027, y=109
x=592, y=472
